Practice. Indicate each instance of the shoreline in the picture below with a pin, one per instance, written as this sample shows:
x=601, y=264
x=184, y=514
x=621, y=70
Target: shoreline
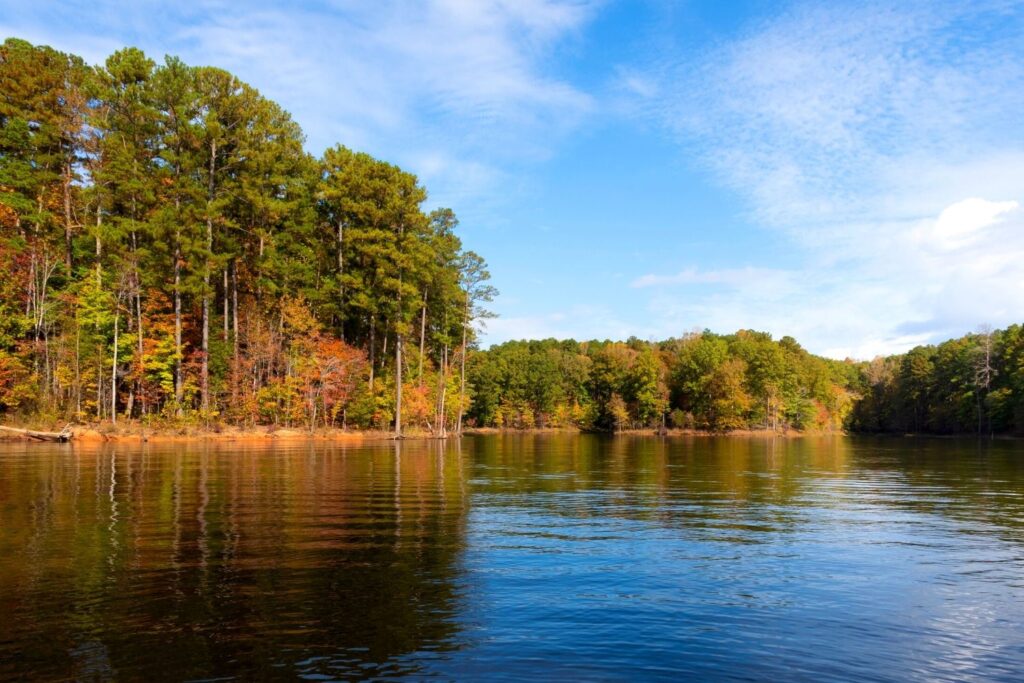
x=135, y=433
x=650, y=431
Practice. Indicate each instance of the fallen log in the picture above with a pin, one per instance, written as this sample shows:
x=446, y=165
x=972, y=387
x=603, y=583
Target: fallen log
x=62, y=435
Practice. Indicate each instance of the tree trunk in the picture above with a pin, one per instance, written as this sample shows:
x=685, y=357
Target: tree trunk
x=204, y=368
x=373, y=364
x=113, y=373
x=259, y=274
x=99, y=286
x=68, y=251
x=178, y=388
x=234, y=325
x=63, y=435
x=341, y=282
x=138, y=324
x=78, y=368
x=99, y=247
x=399, y=323
x=99, y=383
x=32, y=301
x=462, y=370
x=442, y=395
x=423, y=335
x=226, y=305
x=398, y=386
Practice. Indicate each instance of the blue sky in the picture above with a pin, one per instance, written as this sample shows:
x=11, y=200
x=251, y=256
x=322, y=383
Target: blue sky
x=850, y=174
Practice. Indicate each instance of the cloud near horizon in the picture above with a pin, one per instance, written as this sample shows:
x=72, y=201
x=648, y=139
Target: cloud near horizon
x=927, y=275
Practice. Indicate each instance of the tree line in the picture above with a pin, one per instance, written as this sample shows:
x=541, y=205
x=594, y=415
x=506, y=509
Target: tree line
x=171, y=252
x=702, y=380
x=747, y=380
x=973, y=384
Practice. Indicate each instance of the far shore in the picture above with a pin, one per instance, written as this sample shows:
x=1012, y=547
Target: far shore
x=649, y=431
x=135, y=432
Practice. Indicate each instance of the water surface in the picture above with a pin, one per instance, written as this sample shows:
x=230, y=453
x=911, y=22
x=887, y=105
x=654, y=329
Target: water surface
x=546, y=556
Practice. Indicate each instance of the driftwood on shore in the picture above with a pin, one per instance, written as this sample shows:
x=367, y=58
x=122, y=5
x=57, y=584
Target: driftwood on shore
x=62, y=435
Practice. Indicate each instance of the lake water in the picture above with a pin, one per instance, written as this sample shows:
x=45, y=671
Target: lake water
x=548, y=557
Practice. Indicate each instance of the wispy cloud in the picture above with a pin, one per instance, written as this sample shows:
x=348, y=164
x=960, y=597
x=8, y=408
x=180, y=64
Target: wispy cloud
x=809, y=110
x=885, y=143
x=735, y=278
x=579, y=322
x=914, y=282
x=458, y=91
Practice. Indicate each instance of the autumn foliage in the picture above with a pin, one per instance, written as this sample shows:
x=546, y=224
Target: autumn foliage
x=171, y=253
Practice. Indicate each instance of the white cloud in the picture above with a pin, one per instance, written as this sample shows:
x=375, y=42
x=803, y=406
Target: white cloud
x=904, y=285
x=963, y=223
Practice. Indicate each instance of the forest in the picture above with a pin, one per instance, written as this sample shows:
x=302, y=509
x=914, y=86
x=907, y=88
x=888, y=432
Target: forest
x=747, y=380
x=173, y=256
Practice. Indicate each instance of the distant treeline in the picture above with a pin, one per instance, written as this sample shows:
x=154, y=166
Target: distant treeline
x=701, y=381
x=170, y=252
x=746, y=380
x=974, y=384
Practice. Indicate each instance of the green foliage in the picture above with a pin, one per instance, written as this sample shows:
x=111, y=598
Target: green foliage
x=173, y=251
x=971, y=384
x=716, y=382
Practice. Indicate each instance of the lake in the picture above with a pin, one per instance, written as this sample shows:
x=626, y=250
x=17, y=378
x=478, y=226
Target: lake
x=542, y=556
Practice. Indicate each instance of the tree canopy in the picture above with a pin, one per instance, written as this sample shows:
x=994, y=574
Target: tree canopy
x=747, y=380
x=174, y=253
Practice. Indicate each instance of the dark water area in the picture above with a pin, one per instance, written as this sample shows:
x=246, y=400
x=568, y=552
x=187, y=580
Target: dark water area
x=509, y=557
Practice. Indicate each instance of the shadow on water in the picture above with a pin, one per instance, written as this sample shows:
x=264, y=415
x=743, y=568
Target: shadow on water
x=207, y=560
